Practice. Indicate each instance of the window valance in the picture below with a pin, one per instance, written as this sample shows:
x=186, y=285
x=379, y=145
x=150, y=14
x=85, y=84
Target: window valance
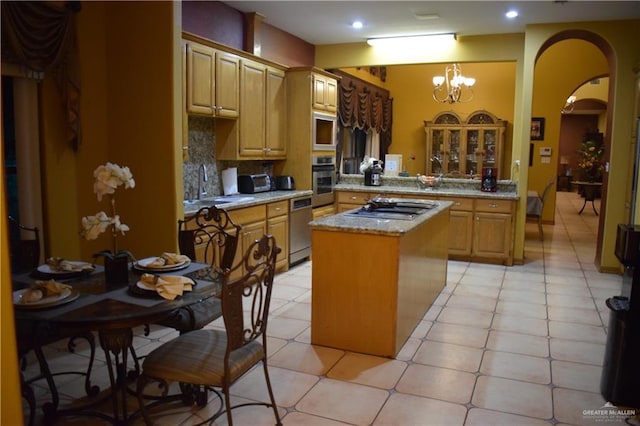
x=40, y=37
x=364, y=106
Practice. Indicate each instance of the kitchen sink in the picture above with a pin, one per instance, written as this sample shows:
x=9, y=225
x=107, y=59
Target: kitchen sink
x=206, y=202
x=231, y=199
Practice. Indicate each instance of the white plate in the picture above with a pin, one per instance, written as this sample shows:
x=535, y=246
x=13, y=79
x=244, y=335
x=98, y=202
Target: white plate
x=144, y=264
x=67, y=295
x=46, y=269
x=146, y=286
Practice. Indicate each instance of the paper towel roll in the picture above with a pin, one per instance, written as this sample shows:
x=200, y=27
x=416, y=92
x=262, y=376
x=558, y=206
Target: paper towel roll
x=230, y=181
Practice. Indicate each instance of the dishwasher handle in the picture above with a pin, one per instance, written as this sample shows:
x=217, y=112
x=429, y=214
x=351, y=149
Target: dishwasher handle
x=300, y=203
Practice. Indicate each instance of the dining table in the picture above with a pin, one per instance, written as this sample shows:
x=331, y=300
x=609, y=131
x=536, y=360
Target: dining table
x=111, y=311
x=590, y=191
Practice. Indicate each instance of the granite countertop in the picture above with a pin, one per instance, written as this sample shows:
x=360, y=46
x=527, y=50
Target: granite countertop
x=465, y=188
x=346, y=222
x=244, y=200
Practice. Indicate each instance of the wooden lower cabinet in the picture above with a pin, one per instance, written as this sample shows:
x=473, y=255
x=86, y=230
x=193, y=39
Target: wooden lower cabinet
x=492, y=236
x=351, y=200
x=254, y=226
x=493, y=230
x=320, y=212
x=460, y=232
x=278, y=226
x=480, y=229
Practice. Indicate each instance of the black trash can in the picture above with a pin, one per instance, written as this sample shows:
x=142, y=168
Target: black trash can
x=621, y=369
x=612, y=381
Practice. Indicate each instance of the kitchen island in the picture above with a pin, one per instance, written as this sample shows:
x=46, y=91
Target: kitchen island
x=373, y=279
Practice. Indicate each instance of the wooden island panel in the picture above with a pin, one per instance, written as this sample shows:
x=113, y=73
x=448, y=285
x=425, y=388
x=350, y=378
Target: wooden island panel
x=370, y=290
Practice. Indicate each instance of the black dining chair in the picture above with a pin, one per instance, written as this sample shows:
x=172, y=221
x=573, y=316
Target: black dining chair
x=25, y=246
x=217, y=358
x=208, y=236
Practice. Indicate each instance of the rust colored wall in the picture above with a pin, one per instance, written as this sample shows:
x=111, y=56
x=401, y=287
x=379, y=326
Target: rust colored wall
x=286, y=49
x=223, y=24
x=214, y=20
x=572, y=131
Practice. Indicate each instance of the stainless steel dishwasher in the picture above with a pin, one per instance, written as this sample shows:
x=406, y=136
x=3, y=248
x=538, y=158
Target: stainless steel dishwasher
x=300, y=214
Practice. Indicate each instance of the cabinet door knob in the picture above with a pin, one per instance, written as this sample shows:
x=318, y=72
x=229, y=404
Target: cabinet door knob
x=353, y=197
x=493, y=205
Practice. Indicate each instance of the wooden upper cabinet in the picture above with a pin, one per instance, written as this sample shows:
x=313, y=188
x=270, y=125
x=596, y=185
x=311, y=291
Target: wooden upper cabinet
x=260, y=132
x=252, y=108
x=276, y=114
x=227, y=85
x=325, y=93
x=212, y=82
x=200, y=79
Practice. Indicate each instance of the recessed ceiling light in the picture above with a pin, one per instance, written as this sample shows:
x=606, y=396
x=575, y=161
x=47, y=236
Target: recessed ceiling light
x=511, y=14
x=356, y=24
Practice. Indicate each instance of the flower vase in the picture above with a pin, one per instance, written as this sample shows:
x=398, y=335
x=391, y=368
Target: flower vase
x=116, y=271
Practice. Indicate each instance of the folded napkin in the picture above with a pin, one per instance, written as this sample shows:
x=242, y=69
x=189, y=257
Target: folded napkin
x=42, y=289
x=61, y=265
x=168, y=286
x=167, y=259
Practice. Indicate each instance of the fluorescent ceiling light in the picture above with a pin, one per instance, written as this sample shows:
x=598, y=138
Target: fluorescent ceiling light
x=511, y=14
x=400, y=41
x=357, y=24
x=426, y=16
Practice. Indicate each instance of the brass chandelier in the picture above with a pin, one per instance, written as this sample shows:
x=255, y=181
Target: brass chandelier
x=453, y=87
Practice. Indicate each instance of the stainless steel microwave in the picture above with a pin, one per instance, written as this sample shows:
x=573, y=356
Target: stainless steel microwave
x=324, y=132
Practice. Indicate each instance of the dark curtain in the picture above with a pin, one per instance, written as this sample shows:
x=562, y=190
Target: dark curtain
x=364, y=106
x=41, y=37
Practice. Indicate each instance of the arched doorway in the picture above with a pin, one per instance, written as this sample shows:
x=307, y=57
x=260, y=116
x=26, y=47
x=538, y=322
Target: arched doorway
x=564, y=62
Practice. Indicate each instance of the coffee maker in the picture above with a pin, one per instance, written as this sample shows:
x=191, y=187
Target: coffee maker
x=489, y=181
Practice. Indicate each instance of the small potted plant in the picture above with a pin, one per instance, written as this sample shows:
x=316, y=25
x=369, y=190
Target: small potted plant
x=591, y=161
x=108, y=177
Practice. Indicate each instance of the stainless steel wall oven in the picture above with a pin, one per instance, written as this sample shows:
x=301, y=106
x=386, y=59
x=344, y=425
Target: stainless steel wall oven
x=323, y=179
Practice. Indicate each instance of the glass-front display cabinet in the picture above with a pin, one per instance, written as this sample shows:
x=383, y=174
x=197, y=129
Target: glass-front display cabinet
x=461, y=148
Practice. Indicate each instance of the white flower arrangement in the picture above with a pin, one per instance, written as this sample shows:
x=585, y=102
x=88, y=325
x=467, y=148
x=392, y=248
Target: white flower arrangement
x=367, y=163
x=108, y=178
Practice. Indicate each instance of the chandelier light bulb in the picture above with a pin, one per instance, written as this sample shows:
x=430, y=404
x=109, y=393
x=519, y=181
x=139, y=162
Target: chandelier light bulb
x=453, y=86
x=568, y=106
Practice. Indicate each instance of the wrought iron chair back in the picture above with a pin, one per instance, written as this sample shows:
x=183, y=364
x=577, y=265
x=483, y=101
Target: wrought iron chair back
x=216, y=358
x=25, y=252
x=209, y=236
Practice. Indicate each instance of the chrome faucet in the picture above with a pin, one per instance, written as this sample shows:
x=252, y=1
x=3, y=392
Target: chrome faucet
x=438, y=160
x=202, y=177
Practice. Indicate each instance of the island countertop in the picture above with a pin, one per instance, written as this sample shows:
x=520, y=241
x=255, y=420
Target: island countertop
x=450, y=187
x=346, y=222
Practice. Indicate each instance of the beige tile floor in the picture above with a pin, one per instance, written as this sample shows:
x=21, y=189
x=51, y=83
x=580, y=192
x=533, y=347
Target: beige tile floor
x=519, y=345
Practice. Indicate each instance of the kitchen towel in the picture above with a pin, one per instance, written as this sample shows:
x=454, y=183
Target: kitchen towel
x=230, y=181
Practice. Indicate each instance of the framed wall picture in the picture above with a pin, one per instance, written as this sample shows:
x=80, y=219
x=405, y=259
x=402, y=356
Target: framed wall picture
x=537, y=128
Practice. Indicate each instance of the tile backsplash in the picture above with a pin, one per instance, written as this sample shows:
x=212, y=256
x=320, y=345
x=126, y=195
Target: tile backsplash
x=202, y=150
